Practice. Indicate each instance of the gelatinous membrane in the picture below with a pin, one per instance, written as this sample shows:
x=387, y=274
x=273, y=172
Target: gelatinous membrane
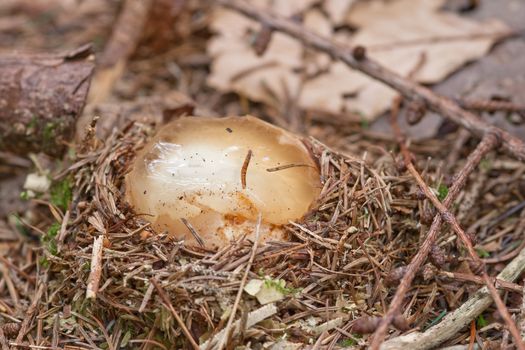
x=193, y=170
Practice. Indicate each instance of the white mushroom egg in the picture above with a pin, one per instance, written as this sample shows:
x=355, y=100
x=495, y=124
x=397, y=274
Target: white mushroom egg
x=205, y=180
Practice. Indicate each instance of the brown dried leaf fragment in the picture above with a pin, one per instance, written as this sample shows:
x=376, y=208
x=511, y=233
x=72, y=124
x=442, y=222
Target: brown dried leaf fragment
x=394, y=33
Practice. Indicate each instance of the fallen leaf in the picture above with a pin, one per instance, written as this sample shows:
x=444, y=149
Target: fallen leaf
x=236, y=66
x=337, y=10
x=397, y=34
x=266, y=291
x=253, y=286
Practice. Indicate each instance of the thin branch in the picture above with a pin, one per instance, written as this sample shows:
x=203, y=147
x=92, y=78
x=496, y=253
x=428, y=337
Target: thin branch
x=459, y=318
x=193, y=231
x=30, y=313
x=485, y=146
x=124, y=39
x=447, y=216
x=500, y=284
x=287, y=166
x=452, y=221
x=492, y=106
x=356, y=59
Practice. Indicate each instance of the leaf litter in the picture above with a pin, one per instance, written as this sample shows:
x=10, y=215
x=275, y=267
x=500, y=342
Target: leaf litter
x=369, y=223
x=395, y=33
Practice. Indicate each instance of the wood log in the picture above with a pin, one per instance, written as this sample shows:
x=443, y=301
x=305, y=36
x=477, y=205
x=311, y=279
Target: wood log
x=41, y=96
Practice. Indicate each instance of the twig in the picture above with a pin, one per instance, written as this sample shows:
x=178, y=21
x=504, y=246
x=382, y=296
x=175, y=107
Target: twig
x=167, y=303
x=193, y=231
x=10, y=285
x=125, y=36
x=511, y=287
x=440, y=104
x=472, y=335
x=457, y=320
x=448, y=217
x=452, y=221
x=96, y=268
x=492, y=106
x=30, y=313
x=227, y=330
x=522, y=313
x=485, y=146
x=287, y=166
x=244, y=168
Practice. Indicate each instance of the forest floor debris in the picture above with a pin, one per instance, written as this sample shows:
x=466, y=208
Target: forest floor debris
x=331, y=283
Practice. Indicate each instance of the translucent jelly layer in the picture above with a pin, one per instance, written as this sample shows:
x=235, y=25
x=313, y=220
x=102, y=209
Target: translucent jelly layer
x=195, y=167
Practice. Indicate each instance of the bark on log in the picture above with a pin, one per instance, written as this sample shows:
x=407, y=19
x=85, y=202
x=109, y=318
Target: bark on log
x=41, y=97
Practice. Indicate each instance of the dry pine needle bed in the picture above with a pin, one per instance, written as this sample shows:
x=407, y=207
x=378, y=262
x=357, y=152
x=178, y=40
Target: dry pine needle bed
x=337, y=272
x=398, y=251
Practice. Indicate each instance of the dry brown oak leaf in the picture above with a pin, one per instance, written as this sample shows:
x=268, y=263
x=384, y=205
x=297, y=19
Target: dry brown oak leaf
x=396, y=33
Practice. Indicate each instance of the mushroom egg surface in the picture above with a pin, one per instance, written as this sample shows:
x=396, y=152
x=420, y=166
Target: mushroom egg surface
x=213, y=176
